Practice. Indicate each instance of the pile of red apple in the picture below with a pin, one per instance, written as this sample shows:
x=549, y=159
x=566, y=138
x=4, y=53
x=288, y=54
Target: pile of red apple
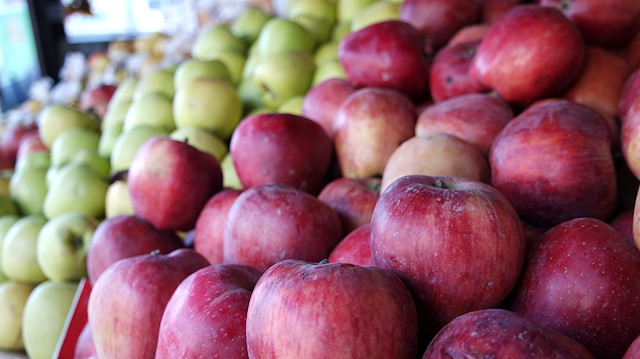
x=467, y=190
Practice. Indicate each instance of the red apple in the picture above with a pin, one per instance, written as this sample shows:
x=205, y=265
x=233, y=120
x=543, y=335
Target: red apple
x=273, y=222
x=636, y=221
x=553, y=162
x=206, y=315
x=85, y=347
x=529, y=53
x=631, y=52
x=623, y=222
x=353, y=199
x=629, y=93
x=467, y=33
x=386, y=54
x=330, y=310
x=633, y=352
x=322, y=101
x=630, y=138
x=126, y=236
x=475, y=118
x=436, y=154
x=11, y=137
x=439, y=20
x=209, y=230
x=611, y=24
x=581, y=280
x=354, y=248
x=500, y=333
x=370, y=124
x=127, y=301
x=281, y=148
x=491, y=10
x=31, y=143
x=170, y=181
x=449, y=74
x=97, y=99
x=458, y=244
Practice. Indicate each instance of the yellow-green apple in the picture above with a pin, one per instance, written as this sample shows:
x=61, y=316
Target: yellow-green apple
x=250, y=96
x=235, y=62
x=96, y=99
x=499, y=332
x=629, y=93
x=623, y=222
x=128, y=143
x=378, y=11
x=7, y=206
x=44, y=316
x=346, y=10
x=125, y=91
x=458, y=244
x=400, y=45
x=491, y=10
x=248, y=25
x=611, y=25
x=436, y=154
x=202, y=139
x=116, y=114
x=553, y=162
x=340, y=30
x=533, y=76
x=209, y=230
x=281, y=148
x=209, y=103
x=325, y=52
x=55, y=118
x=127, y=301
x=72, y=141
x=126, y=236
x=283, y=75
x=320, y=28
x=206, y=315
x=41, y=159
x=292, y=106
x=328, y=70
x=353, y=199
x=98, y=163
x=76, y=188
x=474, y=118
x=369, y=125
x=229, y=175
x=156, y=80
x=170, y=181
x=214, y=39
x=19, y=259
x=62, y=246
x=117, y=200
x=283, y=35
x=28, y=190
x=108, y=138
x=580, y=281
x=13, y=296
x=324, y=10
x=322, y=101
x=6, y=222
x=286, y=223
x=151, y=109
x=449, y=71
x=439, y=20
x=191, y=69
x=354, y=248
x=330, y=318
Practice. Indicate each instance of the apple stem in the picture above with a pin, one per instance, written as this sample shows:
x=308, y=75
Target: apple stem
x=324, y=261
x=439, y=183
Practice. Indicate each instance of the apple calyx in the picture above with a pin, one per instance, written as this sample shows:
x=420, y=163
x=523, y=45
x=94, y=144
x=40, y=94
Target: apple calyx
x=77, y=241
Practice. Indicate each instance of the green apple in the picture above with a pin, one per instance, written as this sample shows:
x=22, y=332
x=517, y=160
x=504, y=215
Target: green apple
x=76, y=188
x=381, y=10
x=347, y=10
x=326, y=52
x=208, y=103
x=229, y=175
x=63, y=243
x=320, y=9
x=249, y=95
x=19, y=260
x=284, y=75
x=118, y=201
x=7, y=206
x=252, y=61
x=55, y=119
x=193, y=68
x=340, y=30
x=13, y=297
x=319, y=28
x=6, y=222
x=128, y=143
x=215, y=39
x=328, y=70
x=94, y=160
x=44, y=316
x=28, y=190
x=202, y=139
x=235, y=62
x=156, y=80
x=152, y=109
x=40, y=159
x=5, y=177
x=292, y=105
x=108, y=138
x=115, y=114
x=283, y=35
x=248, y=25
x=72, y=141
x=124, y=91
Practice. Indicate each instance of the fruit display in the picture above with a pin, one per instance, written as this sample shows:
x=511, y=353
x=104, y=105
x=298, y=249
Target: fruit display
x=334, y=178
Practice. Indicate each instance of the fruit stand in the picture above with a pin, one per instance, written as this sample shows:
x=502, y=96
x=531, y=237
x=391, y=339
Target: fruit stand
x=320, y=178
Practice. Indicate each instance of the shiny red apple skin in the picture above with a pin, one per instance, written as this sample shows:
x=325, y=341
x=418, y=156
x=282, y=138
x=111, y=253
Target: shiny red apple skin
x=273, y=222
x=439, y=20
x=170, y=181
x=85, y=348
x=629, y=93
x=630, y=138
x=127, y=301
x=500, y=333
x=474, y=118
x=281, y=148
x=329, y=310
x=206, y=315
x=623, y=222
x=322, y=101
x=126, y=236
x=457, y=244
x=553, y=162
x=354, y=248
x=209, y=230
x=10, y=140
x=633, y=352
x=449, y=72
x=30, y=143
x=97, y=99
x=353, y=199
x=523, y=68
x=581, y=280
x=387, y=54
x=491, y=10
